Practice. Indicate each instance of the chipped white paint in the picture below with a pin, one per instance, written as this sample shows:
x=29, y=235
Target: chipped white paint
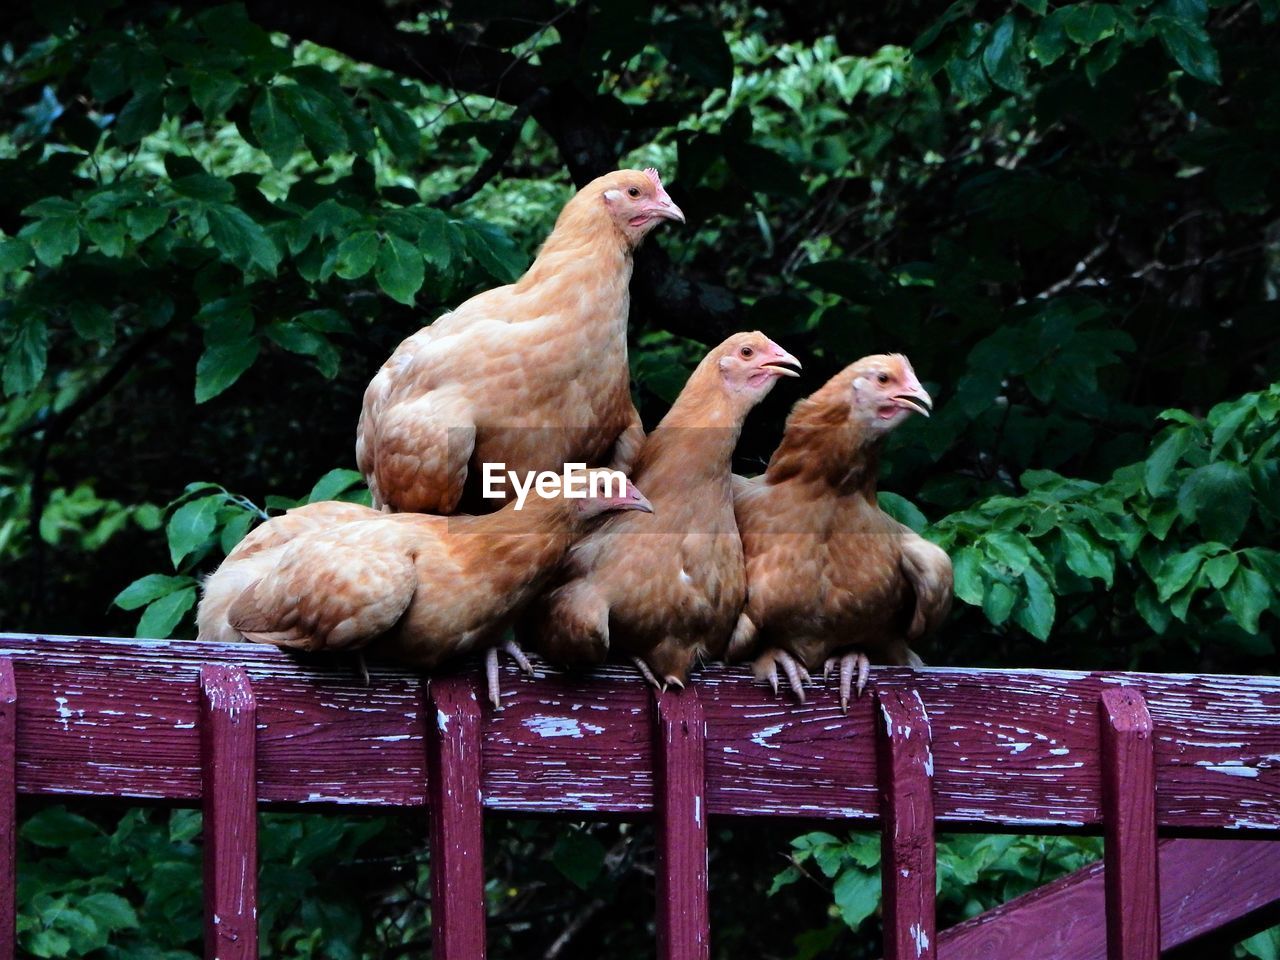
x=697, y=809
x=761, y=737
x=1232, y=768
x=64, y=714
x=442, y=721
x=920, y=938
x=550, y=727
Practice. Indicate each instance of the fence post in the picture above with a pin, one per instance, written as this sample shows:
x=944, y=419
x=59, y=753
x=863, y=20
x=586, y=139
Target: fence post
x=228, y=725
x=680, y=810
x=1129, y=820
x=8, y=809
x=908, y=864
x=457, y=820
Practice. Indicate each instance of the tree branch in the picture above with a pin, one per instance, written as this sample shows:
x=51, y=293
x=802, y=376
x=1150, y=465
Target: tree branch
x=494, y=163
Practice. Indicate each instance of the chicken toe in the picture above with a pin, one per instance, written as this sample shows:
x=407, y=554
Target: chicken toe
x=855, y=662
x=646, y=672
x=766, y=668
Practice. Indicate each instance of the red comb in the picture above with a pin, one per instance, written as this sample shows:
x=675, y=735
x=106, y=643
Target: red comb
x=652, y=174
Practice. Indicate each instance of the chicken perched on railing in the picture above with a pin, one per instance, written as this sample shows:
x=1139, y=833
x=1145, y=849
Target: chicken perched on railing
x=830, y=576
x=409, y=587
x=533, y=375
x=667, y=589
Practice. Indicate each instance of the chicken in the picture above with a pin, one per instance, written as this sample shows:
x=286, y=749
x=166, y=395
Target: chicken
x=412, y=588
x=533, y=375
x=830, y=576
x=667, y=589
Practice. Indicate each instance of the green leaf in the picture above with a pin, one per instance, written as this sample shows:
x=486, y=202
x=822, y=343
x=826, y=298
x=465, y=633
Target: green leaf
x=161, y=617
x=221, y=366
x=92, y=321
x=902, y=510
x=398, y=130
x=57, y=827
x=140, y=116
x=146, y=589
x=857, y=895
x=357, y=254
x=1218, y=497
x=1246, y=597
x=334, y=483
x=494, y=251
x=205, y=188
x=1001, y=56
x=241, y=239
x=110, y=910
x=1087, y=23
x=234, y=530
x=997, y=602
x=275, y=129
x=399, y=269
x=1176, y=572
x=214, y=92
x=969, y=582
x=191, y=526
x=53, y=238
x=580, y=857
x=433, y=240
x=25, y=359
x=1160, y=464
x=1086, y=557
x=1220, y=568
x=1189, y=45
x=318, y=119
x=15, y=254
x=1050, y=41
x=1036, y=614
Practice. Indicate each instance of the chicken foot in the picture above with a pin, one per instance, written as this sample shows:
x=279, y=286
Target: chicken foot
x=797, y=675
x=849, y=663
x=647, y=673
x=491, y=668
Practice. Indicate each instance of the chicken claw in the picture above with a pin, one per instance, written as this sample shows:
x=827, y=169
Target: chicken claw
x=491, y=668
x=848, y=664
x=797, y=675
x=646, y=672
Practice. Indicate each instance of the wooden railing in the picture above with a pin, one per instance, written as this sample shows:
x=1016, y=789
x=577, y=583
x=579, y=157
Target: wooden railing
x=236, y=727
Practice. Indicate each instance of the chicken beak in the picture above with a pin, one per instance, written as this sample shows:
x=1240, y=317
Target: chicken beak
x=636, y=501
x=781, y=363
x=917, y=401
x=666, y=209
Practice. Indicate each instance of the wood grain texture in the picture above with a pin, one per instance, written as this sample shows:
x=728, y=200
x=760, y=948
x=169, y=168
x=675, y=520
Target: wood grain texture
x=681, y=822
x=908, y=853
x=227, y=734
x=1129, y=821
x=1021, y=748
x=1204, y=885
x=457, y=824
x=8, y=809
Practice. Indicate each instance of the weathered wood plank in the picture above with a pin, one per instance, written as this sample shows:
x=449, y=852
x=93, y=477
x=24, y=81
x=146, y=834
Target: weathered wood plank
x=115, y=717
x=683, y=920
x=8, y=809
x=1204, y=885
x=908, y=855
x=457, y=828
x=1129, y=819
x=227, y=733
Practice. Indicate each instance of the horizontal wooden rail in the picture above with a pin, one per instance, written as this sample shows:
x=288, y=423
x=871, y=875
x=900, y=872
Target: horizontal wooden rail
x=1013, y=751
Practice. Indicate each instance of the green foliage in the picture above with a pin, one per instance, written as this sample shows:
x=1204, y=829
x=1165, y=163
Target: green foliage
x=131, y=888
x=1187, y=531
x=975, y=873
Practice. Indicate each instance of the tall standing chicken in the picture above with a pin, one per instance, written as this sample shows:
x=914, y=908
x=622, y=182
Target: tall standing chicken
x=667, y=589
x=414, y=588
x=533, y=374
x=830, y=576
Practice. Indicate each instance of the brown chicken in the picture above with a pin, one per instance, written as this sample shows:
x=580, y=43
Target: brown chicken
x=830, y=576
x=667, y=589
x=412, y=588
x=533, y=375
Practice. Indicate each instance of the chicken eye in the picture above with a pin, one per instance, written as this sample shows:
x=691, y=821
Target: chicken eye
x=746, y=353
x=633, y=191
x=882, y=377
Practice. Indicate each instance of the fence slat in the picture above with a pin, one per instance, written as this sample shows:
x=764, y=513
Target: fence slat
x=1129, y=818
x=908, y=864
x=8, y=808
x=679, y=759
x=228, y=725
x=456, y=814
